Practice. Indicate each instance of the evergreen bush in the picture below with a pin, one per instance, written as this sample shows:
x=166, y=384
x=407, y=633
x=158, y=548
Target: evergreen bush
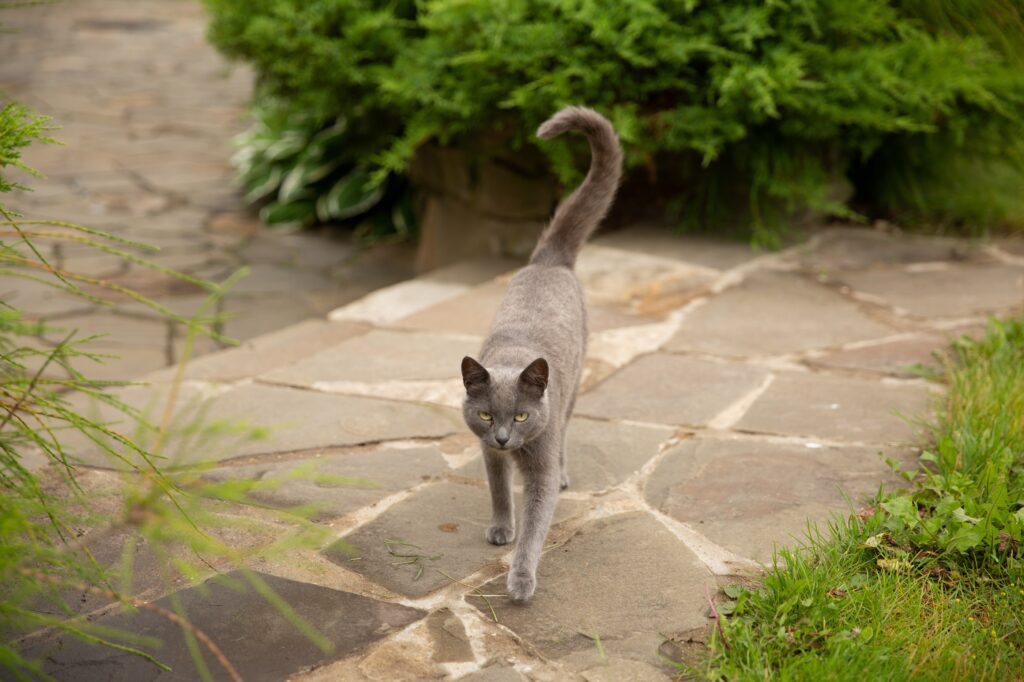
x=920, y=103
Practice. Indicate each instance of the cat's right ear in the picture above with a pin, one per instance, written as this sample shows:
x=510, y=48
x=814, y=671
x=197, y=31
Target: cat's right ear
x=474, y=375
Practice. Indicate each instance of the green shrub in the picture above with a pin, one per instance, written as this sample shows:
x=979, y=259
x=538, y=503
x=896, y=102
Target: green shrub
x=776, y=101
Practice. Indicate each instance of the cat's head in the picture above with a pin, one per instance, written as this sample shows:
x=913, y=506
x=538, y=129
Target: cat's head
x=504, y=406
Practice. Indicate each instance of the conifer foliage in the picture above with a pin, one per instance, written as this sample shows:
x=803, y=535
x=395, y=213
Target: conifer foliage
x=918, y=103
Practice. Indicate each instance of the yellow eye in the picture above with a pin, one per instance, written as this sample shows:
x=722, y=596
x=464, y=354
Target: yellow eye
x=521, y=417
x=486, y=416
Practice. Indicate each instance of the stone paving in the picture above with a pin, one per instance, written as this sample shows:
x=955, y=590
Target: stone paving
x=146, y=110
x=729, y=398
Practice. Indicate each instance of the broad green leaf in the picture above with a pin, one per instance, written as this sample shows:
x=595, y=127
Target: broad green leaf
x=352, y=195
x=297, y=213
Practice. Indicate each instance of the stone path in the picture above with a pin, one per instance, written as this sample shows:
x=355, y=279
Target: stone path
x=147, y=110
x=728, y=398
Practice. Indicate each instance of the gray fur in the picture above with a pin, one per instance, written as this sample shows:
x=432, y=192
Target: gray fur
x=533, y=358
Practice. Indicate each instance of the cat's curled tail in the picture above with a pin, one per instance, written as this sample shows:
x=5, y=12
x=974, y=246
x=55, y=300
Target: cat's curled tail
x=578, y=216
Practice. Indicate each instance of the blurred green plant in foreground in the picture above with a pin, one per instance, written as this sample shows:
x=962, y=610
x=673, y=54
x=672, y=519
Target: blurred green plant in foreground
x=54, y=513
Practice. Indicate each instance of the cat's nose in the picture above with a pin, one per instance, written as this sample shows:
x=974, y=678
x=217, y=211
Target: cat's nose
x=502, y=436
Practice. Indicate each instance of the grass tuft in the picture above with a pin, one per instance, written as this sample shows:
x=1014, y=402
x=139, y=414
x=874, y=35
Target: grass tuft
x=927, y=583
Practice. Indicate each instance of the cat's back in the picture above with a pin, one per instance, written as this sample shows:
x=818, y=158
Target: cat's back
x=543, y=307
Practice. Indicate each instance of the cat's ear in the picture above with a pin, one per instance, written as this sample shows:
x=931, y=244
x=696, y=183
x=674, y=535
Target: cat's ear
x=474, y=375
x=535, y=377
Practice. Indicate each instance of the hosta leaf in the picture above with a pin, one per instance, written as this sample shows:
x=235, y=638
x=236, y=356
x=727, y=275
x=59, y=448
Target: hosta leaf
x=302, y=176
x=289, y=145
x=350, y=196
x=293, y=213
x=263, y=185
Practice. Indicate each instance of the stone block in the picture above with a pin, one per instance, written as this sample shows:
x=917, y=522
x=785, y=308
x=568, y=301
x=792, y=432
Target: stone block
x=381, y=356
x=955, y=290
x=774, y=313
x=254, y=636
x=594, y=586
x=660, y=240
x=835, y=407
x=751, y=496
x=334, y=482
x=425, y=541
x=668, y=389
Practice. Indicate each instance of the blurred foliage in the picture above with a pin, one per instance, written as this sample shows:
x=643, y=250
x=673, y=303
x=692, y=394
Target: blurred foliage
x=54, y=514
x=775, y=101
x=302, y=169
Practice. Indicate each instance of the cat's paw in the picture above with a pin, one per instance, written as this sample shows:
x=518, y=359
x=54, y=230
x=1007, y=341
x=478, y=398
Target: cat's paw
x=521, y=587
x=564, y=483
x=500, y=535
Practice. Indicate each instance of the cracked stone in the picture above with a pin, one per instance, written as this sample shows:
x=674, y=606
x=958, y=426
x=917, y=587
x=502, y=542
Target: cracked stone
x=951, y=291
x=112, y=331
x=451, y=644
x=440, y=532
x=636, y=281
x=857, y=249
x=843, y=408
x=661, y=241
x=272, y=351
x=261, y=645
x=287, y=420
x=494, y=673
x=750, y=496
x=773, y=313
x=335, y=483
x=896, y=358
x=580, y=592
x=382, y=356
x=669, y=389
x=246, y=317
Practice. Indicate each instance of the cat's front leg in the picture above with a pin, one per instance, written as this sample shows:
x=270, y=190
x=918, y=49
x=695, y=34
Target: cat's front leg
x=499, y=477
x=542, y=477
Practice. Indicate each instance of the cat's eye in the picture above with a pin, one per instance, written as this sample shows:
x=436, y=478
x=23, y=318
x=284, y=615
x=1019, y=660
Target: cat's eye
x=486, y=416
x=522, y=416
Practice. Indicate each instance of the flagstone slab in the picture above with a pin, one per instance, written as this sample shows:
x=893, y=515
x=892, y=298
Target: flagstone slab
x=750, y=496
x=624, y=579
x=670, y=389
x=335, y=483
x=772, y=313
x=381, y=356
x=439, y=530
x=288, y=419
x=857, y=249
x=902, y=357
x=270, y=351
x=639, y=282
x=954, y=290
x=601, y=454
x=662, y=241
x=837, y=407
x=254, y=636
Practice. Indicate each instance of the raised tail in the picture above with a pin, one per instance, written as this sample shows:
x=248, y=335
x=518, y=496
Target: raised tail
x=578, y=216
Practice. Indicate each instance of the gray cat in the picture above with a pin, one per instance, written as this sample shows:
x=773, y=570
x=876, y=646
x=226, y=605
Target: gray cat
x=521, y=393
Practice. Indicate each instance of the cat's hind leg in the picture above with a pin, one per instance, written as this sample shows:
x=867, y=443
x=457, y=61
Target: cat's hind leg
x=563, y=465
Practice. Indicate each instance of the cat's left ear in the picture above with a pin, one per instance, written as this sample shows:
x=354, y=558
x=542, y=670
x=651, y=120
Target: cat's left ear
x=535, y=377
x=474, y=376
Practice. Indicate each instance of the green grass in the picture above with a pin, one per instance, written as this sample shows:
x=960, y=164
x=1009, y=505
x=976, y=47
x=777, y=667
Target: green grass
x=926, y=584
